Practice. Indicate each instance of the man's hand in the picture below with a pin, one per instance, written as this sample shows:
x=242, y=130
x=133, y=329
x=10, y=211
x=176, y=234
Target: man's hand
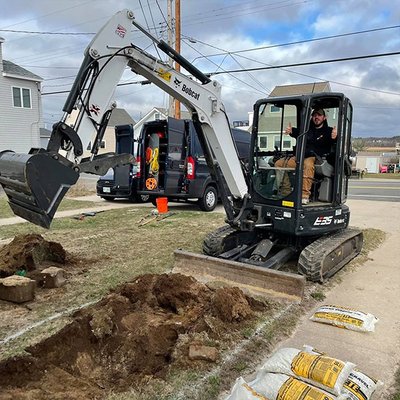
x=288, y=130
x=334, y=133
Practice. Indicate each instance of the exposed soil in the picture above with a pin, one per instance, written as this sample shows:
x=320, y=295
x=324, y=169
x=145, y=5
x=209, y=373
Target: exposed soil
x=28, y=253
x=133, y=332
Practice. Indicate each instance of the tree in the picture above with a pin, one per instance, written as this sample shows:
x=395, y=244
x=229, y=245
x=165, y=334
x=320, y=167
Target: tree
x=359, y=144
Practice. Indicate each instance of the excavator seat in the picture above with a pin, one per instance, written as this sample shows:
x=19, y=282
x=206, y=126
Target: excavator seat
x=35, y=183
x=323, y=177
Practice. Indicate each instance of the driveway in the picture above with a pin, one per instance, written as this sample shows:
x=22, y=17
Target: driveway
x=372, y=288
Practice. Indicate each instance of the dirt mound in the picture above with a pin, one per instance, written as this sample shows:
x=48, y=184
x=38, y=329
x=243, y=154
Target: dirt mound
x=133, y=332
x=26, y=252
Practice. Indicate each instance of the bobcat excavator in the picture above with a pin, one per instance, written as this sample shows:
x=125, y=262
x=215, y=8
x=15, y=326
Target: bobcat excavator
x=266, y=223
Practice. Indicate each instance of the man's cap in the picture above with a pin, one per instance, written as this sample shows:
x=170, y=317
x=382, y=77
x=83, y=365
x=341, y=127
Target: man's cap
x=319, y=111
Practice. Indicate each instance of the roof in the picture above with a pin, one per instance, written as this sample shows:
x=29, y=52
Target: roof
x=302, y=88
x=15, y=70
x=119, y=116
x=44, y=133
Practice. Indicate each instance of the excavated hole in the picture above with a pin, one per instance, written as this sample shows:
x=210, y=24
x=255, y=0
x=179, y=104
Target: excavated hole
x=134, y=332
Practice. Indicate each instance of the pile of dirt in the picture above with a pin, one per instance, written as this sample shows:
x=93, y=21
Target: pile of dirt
x=25, y=253
x=136, y=331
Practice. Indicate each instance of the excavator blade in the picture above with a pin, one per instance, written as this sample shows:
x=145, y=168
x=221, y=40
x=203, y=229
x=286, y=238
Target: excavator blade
x=36, y=183
x=252, y=279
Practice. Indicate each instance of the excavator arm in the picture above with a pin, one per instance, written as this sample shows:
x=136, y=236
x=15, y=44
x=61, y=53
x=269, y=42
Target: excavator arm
x=35, y=183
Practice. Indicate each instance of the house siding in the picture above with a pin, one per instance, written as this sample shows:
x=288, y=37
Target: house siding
x=19, y=127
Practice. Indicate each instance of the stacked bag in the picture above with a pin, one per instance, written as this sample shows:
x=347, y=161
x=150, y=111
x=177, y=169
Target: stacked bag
x=292, y=374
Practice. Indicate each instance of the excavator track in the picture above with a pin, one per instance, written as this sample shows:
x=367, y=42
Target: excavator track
x=327, y=255
x=225, y=238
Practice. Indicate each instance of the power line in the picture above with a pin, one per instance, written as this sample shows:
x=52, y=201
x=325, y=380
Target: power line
x=145, y=82
x=307, y=63
x=47, y=33
x=274, y=67
x=299, y=73
x=299, y=41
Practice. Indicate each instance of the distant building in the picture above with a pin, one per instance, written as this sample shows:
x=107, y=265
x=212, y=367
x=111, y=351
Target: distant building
x=119, y=116
x=244, y=125
x=21, y=107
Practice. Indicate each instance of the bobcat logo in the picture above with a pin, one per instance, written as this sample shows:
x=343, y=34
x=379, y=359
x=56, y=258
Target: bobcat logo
x=177, y=82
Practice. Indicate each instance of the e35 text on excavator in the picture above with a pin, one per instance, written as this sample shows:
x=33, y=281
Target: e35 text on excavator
x=266, y=222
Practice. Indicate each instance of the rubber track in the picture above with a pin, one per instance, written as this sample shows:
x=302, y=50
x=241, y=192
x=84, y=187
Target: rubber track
x=313, y=257
x=213, y=244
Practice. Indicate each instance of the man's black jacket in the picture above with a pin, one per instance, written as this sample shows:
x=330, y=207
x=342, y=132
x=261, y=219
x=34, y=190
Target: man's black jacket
x=319, y=141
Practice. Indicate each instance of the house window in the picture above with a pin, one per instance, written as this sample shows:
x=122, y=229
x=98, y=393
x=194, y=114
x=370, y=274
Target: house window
x=21, y=97
x=157, y=116
x=262, y=142
x=287, y=143
x=275, y=109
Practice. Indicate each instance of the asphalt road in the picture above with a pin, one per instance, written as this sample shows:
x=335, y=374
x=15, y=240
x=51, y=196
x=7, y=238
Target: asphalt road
x=363, y=189
x=375, y=189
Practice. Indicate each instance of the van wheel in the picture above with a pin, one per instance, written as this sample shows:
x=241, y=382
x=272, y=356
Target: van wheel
x=209, y=200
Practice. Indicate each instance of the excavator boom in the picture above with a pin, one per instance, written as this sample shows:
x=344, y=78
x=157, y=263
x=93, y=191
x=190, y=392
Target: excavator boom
x=35, y=183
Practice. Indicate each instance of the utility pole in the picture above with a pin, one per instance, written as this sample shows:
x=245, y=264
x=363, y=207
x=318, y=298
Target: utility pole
x=171, y=108
x=177, y=49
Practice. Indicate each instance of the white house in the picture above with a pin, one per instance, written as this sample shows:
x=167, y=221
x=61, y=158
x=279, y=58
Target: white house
x=119, y=116
x=268, y=139
x=20, y=105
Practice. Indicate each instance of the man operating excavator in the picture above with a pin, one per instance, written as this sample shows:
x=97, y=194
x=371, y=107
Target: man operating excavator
x=320, y=138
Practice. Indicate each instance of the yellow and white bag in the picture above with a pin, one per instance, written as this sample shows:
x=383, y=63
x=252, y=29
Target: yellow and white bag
x=284, y=387
x=319, y=370
x=344, y=317
x=358, y=386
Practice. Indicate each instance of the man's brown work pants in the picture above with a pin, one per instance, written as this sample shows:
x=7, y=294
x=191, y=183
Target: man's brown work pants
x=308, y=173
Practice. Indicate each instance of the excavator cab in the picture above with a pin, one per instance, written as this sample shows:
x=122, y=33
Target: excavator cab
x=278, y=181
x=278, y=226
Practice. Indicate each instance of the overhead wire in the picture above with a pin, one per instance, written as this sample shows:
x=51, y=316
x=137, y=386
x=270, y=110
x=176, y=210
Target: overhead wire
x=230, y=54
x=269, y=66
x=238, y=79
x=302, y=64
x=299, y=64
x=304, y=41
x=147, y=25
x=243, y=13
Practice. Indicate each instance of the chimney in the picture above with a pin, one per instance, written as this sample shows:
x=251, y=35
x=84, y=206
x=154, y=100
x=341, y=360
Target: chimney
x=1, y=53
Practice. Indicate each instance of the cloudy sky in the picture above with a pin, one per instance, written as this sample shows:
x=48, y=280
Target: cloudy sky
x=48, y=38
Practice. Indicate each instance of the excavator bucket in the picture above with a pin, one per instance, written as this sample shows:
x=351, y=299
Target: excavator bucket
x=36, y=183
